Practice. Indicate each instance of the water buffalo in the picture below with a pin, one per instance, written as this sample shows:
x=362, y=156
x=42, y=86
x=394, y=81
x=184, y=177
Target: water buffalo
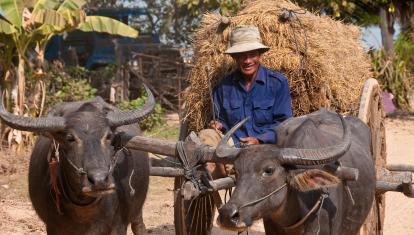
x=289, y=184
x=78, y=182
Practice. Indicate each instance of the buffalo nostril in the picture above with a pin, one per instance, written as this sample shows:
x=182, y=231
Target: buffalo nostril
x=235, y=216
x=98, y=179
x=229, y=215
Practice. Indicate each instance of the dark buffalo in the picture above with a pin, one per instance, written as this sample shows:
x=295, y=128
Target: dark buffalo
x=289, y=185
x=78, y=182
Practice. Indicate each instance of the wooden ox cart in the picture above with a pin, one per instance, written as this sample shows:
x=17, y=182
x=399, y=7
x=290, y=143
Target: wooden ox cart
x=189, y=198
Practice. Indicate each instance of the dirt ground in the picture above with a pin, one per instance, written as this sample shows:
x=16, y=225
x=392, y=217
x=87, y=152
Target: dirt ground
x=18, y=217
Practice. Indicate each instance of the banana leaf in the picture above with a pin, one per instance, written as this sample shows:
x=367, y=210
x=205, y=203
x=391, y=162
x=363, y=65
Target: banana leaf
x=49, y=17
x=46, y=4
x=12, y=10
x=6, y=28
x=107, y=25
x=71, y=5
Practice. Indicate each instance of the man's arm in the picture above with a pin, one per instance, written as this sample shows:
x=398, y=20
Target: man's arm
x=282, y=110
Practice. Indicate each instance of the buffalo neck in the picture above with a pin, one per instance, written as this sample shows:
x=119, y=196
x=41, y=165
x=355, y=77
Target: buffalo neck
x=294, y=213
x=283, y=216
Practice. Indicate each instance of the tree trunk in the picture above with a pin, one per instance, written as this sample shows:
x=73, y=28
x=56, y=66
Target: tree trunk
x=36, y=100
x=15, y=136
x=387, y=30
x=21, y=81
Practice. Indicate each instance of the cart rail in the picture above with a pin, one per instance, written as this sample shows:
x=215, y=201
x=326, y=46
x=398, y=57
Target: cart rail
x=396, y=178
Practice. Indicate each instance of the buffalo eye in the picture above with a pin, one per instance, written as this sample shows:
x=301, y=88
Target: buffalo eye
x=109, y=136
x=268, y=171
x=70, y=138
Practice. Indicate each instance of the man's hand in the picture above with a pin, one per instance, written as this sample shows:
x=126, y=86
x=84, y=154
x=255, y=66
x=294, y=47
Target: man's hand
x=250, y=140
x=216, y=125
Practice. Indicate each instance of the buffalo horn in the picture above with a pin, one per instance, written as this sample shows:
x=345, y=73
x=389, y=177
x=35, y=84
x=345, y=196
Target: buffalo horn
x=120, y=118
x=223, y=150
x=40, y=124
x=318, y=156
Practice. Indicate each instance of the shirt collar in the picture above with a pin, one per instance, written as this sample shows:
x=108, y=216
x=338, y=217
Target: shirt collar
x=260, y=76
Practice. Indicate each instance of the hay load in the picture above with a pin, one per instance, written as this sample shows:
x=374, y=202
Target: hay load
x=322, y=58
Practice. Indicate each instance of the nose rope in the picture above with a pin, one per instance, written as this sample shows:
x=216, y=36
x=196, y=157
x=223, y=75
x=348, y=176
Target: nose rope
x=114, y=162
x=127, y=154
x=318, y=206
x=132, y=190
x=78, y=170
x=323, y=197
x=263, y=198
x=247, y=232
x=81, y=170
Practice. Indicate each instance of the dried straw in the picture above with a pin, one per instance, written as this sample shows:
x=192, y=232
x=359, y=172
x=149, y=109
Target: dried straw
x=322, y=58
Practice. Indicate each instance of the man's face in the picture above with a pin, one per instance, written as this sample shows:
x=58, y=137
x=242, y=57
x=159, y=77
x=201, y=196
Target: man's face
x=248, y=62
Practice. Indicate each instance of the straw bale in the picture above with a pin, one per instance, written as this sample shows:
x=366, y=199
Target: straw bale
x=322, y=58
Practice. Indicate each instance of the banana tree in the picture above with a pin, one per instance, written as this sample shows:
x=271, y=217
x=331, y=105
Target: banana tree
x=31, y=24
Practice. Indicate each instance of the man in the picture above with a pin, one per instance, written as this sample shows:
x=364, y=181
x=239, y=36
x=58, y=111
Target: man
x=251, y=91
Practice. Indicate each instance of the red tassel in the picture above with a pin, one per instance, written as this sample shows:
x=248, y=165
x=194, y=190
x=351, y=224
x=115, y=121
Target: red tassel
x=53, y=168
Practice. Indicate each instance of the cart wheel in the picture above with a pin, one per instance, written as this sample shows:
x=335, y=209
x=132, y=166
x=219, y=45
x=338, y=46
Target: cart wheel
x=193, y=217
x=372, y=113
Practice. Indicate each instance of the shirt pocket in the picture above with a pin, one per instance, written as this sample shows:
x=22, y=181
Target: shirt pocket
x=263, y=111
x=233, y=111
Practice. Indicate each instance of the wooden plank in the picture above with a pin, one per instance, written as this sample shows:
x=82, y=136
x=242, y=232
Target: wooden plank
x=166, y=171
x=163, y=147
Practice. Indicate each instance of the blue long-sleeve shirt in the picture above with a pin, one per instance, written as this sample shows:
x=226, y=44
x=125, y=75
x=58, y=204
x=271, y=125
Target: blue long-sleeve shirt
x=267, y=103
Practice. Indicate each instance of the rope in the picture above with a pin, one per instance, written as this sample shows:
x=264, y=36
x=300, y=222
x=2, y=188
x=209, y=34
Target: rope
x=132, y=190
x=81, y=170
x=288, y=15
x=318, y=206
x=167, y=160
x=189, y=171
x=247, y=232
x=323, y=196
x=78, y=170
x=263, y=198
x=56, y=176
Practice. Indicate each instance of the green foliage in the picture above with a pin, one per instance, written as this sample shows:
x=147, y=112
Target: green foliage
x=404, y=49
x=170, y=18
x=394, y=76
x=150, y=122
x=356, y=11
x=105, y=73
x=70, y=85
x=30, y=25
x=164, y=131
x=362, y=12
x=198, y=7
x=104, y=3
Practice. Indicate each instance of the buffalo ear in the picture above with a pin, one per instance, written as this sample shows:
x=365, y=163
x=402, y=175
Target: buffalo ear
x=312, y=179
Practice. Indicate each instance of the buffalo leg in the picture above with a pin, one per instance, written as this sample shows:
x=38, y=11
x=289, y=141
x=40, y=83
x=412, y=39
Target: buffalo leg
x=138, y=226
x=51, y=230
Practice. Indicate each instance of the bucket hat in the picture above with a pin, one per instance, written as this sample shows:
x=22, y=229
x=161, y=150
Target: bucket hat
x=245, y=38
